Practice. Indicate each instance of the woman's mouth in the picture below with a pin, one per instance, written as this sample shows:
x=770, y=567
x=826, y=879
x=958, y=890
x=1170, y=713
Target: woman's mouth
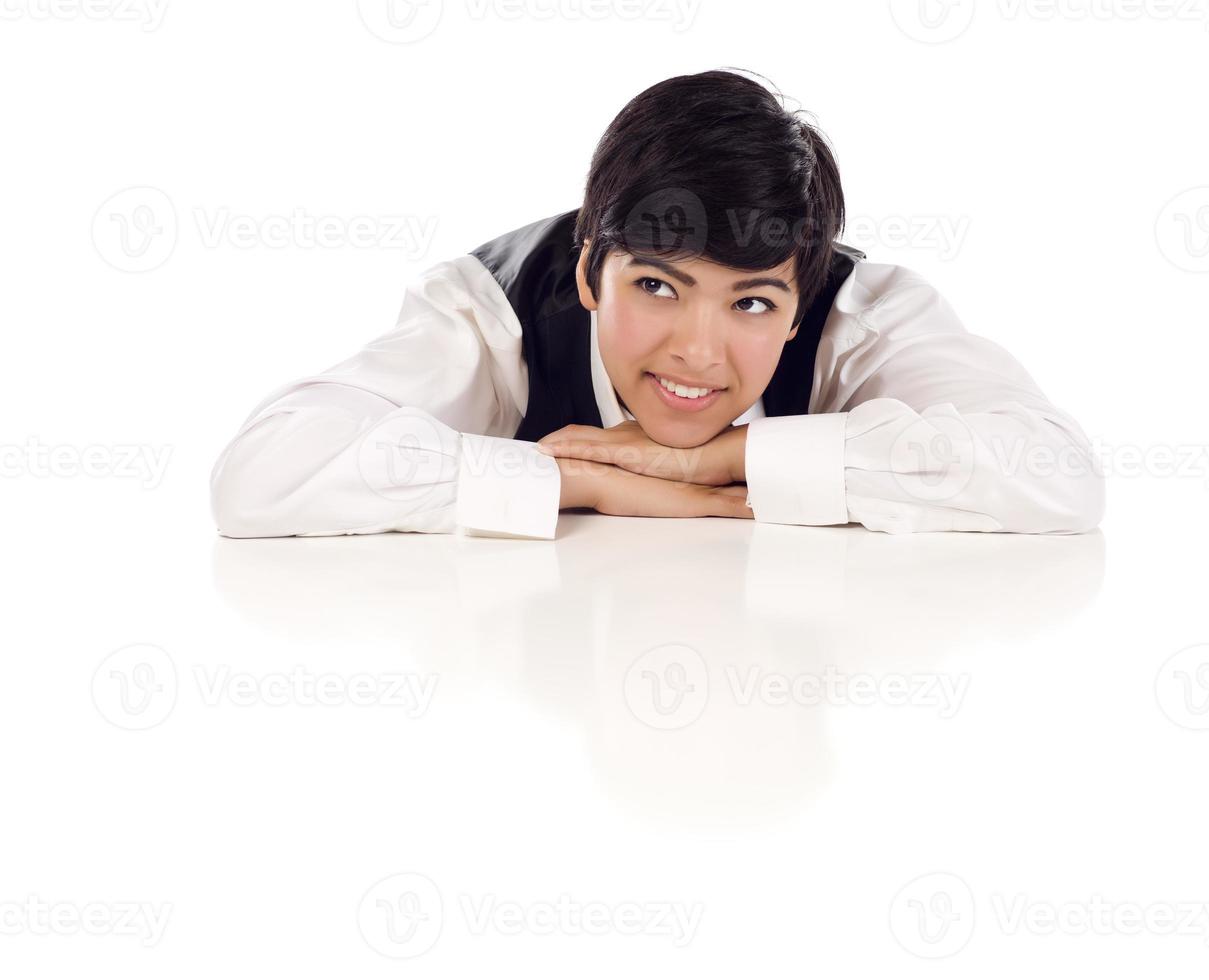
x=683, y=403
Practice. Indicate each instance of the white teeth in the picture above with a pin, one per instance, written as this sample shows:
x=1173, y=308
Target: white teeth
x=682, y=390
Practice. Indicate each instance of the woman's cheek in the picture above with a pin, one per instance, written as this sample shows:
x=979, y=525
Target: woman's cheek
x=630, y=340
x=754, y=360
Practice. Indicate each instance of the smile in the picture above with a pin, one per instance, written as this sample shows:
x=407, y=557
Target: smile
x=691, y=401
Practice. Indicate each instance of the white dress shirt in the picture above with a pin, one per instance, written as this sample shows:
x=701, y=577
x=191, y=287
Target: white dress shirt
x=914, y=424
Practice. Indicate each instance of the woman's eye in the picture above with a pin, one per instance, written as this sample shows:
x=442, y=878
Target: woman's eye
x=768, y=306
x=652, y=286
x=642, y=284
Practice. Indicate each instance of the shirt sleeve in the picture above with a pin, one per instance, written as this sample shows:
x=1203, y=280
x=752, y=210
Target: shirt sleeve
x=409, y=434
x=916, y=424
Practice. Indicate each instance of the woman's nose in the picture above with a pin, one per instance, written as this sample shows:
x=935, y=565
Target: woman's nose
x=697, y=341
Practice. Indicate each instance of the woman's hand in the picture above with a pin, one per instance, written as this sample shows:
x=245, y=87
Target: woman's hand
x=715, y=463
x=609, y=489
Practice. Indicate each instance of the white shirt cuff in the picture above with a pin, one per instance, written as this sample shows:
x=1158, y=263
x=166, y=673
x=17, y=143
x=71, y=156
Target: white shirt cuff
x=507, y=488
x=795, y=469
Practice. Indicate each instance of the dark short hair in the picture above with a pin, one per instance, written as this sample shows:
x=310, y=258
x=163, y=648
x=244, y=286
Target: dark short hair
x=713, y=165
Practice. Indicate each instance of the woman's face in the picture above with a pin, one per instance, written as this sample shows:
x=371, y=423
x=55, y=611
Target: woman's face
x=689, y=321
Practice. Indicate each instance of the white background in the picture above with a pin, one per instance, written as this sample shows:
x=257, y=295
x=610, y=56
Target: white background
x=1045, y=165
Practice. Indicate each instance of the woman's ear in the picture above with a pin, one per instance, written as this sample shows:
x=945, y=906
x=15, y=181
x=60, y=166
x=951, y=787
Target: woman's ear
x=586, y=299
x=792, y=333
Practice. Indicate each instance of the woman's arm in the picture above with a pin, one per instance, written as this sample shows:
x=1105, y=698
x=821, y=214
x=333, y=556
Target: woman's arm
x=412, y=433
x=917, y=424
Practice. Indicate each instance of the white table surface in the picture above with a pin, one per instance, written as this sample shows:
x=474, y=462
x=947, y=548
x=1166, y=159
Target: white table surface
x=499, y=753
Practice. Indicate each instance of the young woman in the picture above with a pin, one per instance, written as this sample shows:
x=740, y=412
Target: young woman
x=691, y=341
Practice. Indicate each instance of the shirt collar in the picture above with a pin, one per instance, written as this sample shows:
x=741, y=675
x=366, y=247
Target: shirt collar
x=611, y=412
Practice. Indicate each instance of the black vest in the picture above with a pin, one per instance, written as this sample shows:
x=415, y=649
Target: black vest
x=535, y=267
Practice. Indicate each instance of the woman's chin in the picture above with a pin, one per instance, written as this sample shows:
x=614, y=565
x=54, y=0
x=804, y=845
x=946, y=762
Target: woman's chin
x=677, y=434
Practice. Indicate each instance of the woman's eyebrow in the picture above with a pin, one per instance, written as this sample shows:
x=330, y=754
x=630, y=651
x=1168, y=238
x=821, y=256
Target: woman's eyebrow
x=688, y=280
